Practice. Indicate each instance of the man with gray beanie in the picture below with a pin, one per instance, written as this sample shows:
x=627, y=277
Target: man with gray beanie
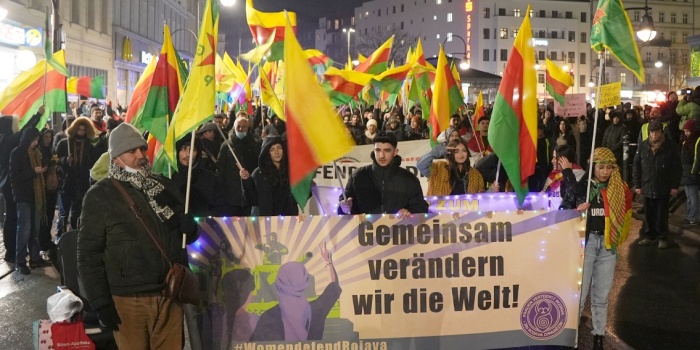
x=122, y=269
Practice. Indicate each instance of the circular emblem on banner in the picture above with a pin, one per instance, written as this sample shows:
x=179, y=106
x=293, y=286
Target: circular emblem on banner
x=33, y=37
x=543, y=316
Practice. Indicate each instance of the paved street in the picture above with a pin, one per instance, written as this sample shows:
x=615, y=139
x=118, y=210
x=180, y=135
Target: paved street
x=654, y=304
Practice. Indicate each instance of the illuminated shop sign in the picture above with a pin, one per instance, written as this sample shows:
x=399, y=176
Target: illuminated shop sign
x=468, y=8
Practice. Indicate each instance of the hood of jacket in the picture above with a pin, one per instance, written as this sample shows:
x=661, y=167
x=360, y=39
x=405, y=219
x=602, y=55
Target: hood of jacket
x=90, y=131
x=6, y=125
x=28, y=135
x=267, y=144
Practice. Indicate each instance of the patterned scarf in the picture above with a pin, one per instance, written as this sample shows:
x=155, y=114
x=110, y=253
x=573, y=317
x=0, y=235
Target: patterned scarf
x=144, y=181
x=39, y=185
x=615, y=195
x=439, y=180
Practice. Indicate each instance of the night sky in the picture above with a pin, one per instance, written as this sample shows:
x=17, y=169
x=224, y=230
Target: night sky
x=233, y=18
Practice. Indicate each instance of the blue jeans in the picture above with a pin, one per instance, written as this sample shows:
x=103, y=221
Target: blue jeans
x=598, y=273
x=27, y=233
x=691, y=210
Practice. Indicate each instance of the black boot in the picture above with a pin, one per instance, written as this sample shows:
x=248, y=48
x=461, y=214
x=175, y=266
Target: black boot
x=598, y=342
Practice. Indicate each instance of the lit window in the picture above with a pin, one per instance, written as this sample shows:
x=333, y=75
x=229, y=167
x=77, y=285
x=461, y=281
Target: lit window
x=437, y=37
x=449, y=36
x=438, y=2
x=504, y=33
x=516, y=13
x=449, y=17
x=435, y=18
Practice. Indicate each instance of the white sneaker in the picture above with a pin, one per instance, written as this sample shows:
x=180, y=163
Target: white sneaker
x=645, y=241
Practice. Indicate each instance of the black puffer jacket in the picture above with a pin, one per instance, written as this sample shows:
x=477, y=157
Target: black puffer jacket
x=656, y=174
x=116, y=256
x=247, y=151
x=22, y=173
x=378, y=190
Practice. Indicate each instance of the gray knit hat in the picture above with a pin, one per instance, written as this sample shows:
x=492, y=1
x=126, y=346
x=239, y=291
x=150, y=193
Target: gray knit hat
x=124, y=138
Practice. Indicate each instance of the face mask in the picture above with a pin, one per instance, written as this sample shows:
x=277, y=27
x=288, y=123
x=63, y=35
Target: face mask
x=127, y=168
x=240, y=134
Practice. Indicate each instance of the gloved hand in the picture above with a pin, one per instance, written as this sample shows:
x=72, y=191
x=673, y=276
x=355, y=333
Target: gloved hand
x=187, y=223
x=109, y=317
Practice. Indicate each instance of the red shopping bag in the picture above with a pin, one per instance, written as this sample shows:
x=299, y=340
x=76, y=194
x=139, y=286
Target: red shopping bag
x=70, y=336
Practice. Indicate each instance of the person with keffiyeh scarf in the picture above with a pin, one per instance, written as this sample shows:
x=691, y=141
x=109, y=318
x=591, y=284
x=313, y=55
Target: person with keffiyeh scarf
x=609, y=211
x=121, y=266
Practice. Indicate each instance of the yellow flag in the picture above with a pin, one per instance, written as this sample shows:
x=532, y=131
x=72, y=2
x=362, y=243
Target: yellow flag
x=196, y=104
x=268, y=95
x=256, y=55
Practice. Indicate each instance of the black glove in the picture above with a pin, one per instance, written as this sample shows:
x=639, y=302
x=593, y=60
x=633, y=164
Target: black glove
x=109, y=317
x=187, y=223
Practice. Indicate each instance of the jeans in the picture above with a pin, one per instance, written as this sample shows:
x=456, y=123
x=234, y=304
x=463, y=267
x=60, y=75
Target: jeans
x=70, y=208
x=27, y=227
x=598, y=273
x=9, y=226
x=656, y=217
x=691, y=211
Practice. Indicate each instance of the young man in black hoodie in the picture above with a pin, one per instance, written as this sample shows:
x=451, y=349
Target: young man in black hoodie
x=9, y=140
x=27, y=179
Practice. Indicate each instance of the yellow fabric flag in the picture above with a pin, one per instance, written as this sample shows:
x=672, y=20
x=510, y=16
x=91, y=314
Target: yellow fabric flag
x=268, y=95
x=315, y=134
x=256, y=55
x=196, y=104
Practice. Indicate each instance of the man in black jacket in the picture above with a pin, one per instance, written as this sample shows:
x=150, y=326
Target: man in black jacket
x=9, y=140
x=27, y=179
x=383, y=187
x=121, y=267
x=657, y=175
x=233, y=201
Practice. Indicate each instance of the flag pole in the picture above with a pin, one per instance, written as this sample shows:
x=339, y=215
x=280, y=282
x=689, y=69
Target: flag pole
x=498, y=171
x=46, y=61
x=595, y=123
x=340, y=181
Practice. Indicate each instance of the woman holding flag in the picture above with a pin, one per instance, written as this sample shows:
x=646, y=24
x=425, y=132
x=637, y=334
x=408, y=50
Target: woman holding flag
x=608, y=212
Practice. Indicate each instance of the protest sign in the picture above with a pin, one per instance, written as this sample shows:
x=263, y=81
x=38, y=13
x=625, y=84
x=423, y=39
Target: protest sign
x=610, y=94
x=575, y=106
x=431, y=281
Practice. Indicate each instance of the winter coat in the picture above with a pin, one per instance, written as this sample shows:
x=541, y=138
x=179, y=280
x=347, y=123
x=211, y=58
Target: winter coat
x=76, y=176
x=687, y=110
x=271, y=200
x=691, y=165
x=116, y=256
x=379, y=190
x=22, y=173
x=9, y=140
x=656, y=174
x=231, y=187
x=612, y=139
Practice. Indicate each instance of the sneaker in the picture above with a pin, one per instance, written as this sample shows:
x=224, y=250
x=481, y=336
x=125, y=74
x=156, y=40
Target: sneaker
x=645, y=241
x=663, y=244
x=39, y=263
x=688, y=224
x=23, y=269
x=685, y=222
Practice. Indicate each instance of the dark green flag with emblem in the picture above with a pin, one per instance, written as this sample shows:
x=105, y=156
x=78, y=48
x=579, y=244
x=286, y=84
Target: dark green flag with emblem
x=612, y=30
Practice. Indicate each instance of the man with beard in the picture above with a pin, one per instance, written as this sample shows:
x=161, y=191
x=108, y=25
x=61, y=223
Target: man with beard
x=657, y=175
x=121, y=266
x=384, y=186
x=247, y=150
x=76, y=155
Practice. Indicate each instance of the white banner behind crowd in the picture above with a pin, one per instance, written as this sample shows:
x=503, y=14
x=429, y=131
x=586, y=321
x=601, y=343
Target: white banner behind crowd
x=433, y=281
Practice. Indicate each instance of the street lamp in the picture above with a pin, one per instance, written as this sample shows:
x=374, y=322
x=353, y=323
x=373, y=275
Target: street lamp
x=349, y=31
x=646, y=30
x=228, y=3
x=464, y=63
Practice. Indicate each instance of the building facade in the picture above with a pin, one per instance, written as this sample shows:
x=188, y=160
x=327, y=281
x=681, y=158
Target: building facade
x=138, y=36
x=87, y=34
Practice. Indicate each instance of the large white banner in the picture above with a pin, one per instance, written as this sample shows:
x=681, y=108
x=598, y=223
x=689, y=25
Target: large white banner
x=432, y=281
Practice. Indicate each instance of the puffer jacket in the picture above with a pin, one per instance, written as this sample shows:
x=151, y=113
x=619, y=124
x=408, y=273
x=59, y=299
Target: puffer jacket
x=9, y=140
x=687, y=110
x=656, y=174
x=379, y=190
x=116, y=256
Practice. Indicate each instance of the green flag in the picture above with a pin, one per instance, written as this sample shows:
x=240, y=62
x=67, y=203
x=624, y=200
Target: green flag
x=48, y=49
x=612, y=30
